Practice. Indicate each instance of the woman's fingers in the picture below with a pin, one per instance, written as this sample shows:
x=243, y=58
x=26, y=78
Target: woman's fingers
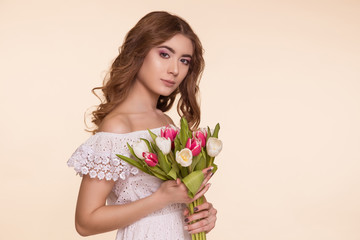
x=202, y=211
x=203, y=220
x=205, y=206
x=206, y=224
x=208, y=174
x=186, y=212
x=207, y=171
x=202, y=192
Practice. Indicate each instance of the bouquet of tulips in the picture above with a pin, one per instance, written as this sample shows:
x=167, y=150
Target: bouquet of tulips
x=178, y=153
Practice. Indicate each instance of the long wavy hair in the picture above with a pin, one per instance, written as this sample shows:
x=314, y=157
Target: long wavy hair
x=152, y=30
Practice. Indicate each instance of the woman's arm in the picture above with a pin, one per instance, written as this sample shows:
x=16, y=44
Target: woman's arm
x=93, y=216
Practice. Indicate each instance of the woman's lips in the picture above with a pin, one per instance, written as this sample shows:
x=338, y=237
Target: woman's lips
x=168, y=83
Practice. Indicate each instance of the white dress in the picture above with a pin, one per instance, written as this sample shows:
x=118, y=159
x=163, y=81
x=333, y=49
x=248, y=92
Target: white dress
x=97, y=158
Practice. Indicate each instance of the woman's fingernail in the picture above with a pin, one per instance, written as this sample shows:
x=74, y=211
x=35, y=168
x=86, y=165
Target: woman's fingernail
x=211, y=174
x=186, y=219
x=186, y=228
x=195, y=209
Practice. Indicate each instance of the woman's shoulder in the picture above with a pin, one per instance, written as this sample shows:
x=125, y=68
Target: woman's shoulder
x=124, y=123
x=118, y=124
x=169, y=120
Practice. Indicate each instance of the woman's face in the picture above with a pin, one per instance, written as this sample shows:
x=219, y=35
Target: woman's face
x=166, y=65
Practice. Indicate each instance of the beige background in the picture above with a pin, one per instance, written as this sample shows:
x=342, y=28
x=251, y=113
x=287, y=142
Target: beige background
x=282, y=78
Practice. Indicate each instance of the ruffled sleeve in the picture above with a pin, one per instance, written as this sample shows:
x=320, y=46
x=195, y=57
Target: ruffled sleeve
x=97, y=157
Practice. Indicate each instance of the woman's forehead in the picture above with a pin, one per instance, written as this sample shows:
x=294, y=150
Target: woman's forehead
x=179, y=44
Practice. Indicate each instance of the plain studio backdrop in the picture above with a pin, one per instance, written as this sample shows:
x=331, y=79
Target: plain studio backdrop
x=282, y=78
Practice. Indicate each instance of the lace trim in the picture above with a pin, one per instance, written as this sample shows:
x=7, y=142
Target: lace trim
x=97, y=156
x=101, y=165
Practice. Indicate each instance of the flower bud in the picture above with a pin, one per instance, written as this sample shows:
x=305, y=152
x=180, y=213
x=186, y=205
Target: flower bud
x=213, y=146
x=194, y=145
x=164, y=144
x=170, y=132
x=184, y=157
x=150, y=159
x=201, y=135
x=139, y=148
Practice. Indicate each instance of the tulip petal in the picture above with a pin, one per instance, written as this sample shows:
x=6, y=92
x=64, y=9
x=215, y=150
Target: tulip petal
x=196, y=150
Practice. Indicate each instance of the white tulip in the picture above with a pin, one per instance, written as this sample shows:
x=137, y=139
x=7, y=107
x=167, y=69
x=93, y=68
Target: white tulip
x=139, y=148
x=184, y=157
x=213, y=146
x=164, y=144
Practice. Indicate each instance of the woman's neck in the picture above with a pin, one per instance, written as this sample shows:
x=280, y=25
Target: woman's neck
x=139, y=100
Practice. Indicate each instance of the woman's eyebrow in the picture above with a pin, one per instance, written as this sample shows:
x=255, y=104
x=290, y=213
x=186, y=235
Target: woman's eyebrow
x=173, y=51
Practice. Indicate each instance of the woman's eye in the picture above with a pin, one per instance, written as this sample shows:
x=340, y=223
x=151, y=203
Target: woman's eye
x=164, y=55
x=185, y=61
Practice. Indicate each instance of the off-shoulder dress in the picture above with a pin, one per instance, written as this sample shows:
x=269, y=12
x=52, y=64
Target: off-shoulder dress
x=96, y=157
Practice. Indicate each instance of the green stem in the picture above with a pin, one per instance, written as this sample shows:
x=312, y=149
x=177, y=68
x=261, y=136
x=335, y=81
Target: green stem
x=211, y=161
x=191, y=209
x=202, y=234
x=191, y=206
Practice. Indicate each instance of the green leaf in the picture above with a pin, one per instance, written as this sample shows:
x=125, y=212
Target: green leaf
x=190, y=194
x=195, y=161
x=201, y=163
x=215, y=167
x=193, y=181
x=216, y=131
x=184, y=124
x=155, y=147
x=184, y=132
x=206, y=156
x=132, y=152
x=171, y=157
x=177, y=143
x=175, y=166
x=153, y=135
x=160, y=177
x=134, y=163
x=165, y=166
x=172, y=174
x=184, y=171
x=208, y=133
x=157, y=169
x=148, y=145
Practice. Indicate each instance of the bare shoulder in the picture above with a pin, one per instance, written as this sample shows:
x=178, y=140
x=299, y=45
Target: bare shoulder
x=115, y=124
x=168, y=119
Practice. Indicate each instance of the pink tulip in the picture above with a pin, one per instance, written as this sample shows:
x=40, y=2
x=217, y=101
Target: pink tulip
x=170, y=132
x=150, y=159
x=201, y=135
x=194, y=145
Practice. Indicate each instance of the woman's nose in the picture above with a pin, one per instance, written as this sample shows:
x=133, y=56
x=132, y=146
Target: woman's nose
x=173, y=67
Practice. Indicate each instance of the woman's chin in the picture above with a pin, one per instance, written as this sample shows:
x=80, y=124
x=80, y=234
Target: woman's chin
x=166, y=93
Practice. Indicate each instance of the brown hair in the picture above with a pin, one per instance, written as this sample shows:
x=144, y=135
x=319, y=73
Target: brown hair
x=152, y=30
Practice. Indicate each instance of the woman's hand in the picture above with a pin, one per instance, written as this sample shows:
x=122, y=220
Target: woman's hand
x=174, y=191
x=205, y=213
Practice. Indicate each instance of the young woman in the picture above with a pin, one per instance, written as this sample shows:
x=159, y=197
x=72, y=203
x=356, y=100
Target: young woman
x=160, y=58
